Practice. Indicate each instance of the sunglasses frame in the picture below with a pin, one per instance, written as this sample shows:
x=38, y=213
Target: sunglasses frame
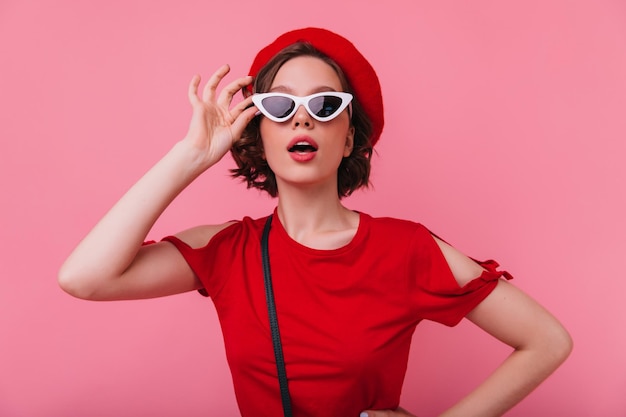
x=346, y=101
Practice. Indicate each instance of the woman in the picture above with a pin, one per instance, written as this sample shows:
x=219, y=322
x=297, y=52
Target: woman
x=349, y=288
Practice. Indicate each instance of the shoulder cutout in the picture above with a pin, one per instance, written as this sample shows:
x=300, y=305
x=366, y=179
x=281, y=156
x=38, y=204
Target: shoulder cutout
x=199, y=236
x=463, y=268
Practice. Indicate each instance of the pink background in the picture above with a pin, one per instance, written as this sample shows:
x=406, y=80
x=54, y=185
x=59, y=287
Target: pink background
x=505, y=134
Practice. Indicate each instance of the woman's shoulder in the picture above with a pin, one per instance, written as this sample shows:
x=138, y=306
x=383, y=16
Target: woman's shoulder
x=394, y=224
x=395, y=232
x=200, y=236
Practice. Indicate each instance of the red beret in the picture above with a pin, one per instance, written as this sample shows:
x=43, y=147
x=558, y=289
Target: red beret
x=358, y=70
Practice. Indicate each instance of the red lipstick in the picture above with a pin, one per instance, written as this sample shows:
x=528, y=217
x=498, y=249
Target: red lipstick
x=302, y=148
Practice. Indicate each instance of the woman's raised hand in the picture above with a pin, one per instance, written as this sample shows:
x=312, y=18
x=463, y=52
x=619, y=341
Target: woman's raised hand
x=110, y=263
x=214, y=126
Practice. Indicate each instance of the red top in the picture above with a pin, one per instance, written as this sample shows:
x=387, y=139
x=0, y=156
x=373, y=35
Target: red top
x=346, y=315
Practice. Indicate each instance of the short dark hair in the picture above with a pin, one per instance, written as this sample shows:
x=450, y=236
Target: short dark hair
x=354, y=170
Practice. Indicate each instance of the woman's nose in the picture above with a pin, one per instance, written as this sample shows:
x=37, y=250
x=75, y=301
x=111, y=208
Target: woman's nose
x=302, y=118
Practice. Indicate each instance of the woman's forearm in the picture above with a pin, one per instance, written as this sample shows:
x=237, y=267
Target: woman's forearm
x=540, y=345
x=512, y=381
x=111, y=246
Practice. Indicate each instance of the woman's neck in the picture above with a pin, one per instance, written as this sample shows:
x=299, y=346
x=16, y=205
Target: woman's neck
x=315, y=217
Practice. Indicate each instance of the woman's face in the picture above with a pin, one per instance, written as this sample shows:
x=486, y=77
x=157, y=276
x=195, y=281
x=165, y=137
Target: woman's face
x=304, y=151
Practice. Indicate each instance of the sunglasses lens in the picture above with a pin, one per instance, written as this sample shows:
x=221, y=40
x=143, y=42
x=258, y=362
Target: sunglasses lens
x=325, y=106
x=277, y=106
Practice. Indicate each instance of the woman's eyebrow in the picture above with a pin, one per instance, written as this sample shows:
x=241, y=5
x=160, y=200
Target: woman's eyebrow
x=280, y=89
x=288, y=90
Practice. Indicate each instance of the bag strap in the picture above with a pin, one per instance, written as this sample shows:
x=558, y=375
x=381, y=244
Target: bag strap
x=271, y=308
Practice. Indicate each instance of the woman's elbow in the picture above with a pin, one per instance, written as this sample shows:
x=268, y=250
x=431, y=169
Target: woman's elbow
x=556, y=344
x=562, y=344
x=75, y=284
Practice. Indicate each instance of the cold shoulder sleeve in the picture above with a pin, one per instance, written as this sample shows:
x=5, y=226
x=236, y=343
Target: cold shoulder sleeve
x=222, y=256
x=195, y=258
x=435, y=293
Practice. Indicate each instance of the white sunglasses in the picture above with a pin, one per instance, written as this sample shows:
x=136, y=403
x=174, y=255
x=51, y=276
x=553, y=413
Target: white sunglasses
x=280, y=107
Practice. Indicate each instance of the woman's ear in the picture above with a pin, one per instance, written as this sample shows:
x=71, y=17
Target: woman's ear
x=349, y=142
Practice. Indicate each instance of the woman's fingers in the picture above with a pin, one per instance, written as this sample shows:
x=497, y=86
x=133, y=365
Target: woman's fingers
x=227, y=94
x=217, y=112
x=242, y=120
x=193, y=89
x=208, y=93
x=241, y=106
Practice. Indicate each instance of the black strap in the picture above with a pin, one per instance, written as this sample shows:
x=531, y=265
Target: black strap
x=271, y=308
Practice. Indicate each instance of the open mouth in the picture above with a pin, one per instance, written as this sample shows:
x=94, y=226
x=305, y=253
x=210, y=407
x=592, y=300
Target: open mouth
x=302, y=147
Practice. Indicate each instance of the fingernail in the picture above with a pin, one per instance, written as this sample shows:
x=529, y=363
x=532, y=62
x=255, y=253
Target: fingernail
x=363, y=414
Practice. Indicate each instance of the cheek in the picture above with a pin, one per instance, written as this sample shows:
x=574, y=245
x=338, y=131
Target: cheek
x=268, y=130
x=343, y=130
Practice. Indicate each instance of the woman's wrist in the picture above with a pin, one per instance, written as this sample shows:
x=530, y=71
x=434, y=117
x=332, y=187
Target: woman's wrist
x=190, y=160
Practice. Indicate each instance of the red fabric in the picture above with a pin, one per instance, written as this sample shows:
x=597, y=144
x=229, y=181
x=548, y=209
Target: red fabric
x=346, y=316
x=358, y=70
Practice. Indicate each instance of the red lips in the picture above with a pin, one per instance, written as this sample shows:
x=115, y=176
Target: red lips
x=302, y=148
x=302, y=144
